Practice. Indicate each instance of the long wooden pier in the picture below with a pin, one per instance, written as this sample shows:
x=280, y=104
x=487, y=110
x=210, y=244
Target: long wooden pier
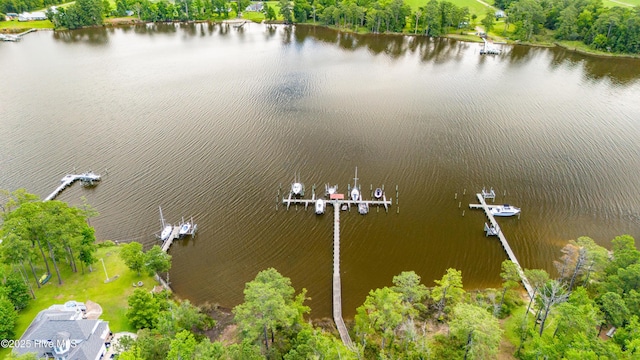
x=87, y=178
x=338, y=202
x=337, y=287
x=503, y=240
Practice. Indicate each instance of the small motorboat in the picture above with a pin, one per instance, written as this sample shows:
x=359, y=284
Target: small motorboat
x=330, y=190
x=166, y=232
x=297, y=188
x=184, y=229
x=363, y=208
x=320, y=206
x=378, y=193
x=504, y=210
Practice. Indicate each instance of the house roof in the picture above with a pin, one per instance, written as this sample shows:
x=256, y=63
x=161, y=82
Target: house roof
x=87, y=337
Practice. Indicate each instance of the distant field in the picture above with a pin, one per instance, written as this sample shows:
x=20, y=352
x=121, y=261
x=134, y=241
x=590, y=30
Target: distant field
x=621, y=3
x=474, y=6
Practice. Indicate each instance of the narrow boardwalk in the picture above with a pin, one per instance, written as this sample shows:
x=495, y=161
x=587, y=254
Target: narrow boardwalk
x=70, y=179
x=505, y=244
x=174, y=235
x=337, y=287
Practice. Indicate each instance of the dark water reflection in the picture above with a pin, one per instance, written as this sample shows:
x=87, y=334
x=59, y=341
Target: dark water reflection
x=207, y=120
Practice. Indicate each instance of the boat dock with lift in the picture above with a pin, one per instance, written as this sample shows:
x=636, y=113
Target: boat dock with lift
x=172, y=232
x=87, y=179
x=493, y=229
x=339, y=203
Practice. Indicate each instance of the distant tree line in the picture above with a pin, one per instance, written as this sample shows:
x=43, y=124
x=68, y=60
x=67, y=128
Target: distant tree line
x=19, y=6
x=615, y=29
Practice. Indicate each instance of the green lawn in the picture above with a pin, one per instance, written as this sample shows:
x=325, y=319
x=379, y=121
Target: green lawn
x=15, y=25
x=474, y=6
x=89, y=286
x=629, y=3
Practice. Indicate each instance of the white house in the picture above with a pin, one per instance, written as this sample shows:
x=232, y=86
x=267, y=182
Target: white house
x=38, y=15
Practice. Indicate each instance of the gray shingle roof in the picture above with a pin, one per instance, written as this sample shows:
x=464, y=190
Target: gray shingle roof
x=85, y=335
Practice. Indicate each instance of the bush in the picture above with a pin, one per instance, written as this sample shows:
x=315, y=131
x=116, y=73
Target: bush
x=106, y=243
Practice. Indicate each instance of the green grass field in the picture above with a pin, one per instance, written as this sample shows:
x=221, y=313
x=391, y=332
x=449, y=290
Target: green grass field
x=18, y=26
x=474, y=6
x=628, y=3
x=112, y=297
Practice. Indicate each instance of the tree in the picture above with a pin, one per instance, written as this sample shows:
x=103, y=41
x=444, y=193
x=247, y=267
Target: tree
x=552, y=293
x=448, y=289
x=143, y=310
x=487, y=22
x=133, y=256
x=182, y=347
x=88, y=248
x=286, y=10
x=316, y=344
x=156, y=260
x=269, y=13
x=614, y=309
x=269, y=304
x=380, y=314
x=182, y=316
x=50, y=224
x=301, y=10
x=477, y=329
x=15, y=289
x=412, y=291
x=8, y=316
x=510, y=278
x=528, y=17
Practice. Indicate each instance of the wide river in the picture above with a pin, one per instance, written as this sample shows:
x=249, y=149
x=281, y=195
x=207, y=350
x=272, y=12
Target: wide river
x=208, y=121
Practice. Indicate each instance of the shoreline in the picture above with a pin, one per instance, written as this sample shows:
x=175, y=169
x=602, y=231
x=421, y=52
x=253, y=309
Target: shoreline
x=110, y=23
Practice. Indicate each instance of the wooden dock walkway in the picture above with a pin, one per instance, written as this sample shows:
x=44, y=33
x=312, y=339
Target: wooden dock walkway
x=174, y=235
x=339, y=203
x=337, y=287
x=66, y=181
x=503, y=241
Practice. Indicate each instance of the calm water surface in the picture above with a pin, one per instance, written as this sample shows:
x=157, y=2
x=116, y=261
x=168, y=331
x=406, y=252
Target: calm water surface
x=207, y=121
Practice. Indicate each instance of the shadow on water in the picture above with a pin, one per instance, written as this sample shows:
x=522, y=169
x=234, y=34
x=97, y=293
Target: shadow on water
x=94, y=36
x=621, y=71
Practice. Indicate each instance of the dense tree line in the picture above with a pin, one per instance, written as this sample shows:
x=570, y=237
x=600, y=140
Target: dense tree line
x=18, y=6
x=36, y=234
x=594, y=290
x=615, y=29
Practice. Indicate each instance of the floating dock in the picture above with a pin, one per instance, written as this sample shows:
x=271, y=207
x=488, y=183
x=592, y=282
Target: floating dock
x=88, y=178
x=338, y=202
x=503, y=240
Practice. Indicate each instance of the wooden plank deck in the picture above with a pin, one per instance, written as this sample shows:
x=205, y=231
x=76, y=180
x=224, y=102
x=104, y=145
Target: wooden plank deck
x=174, y=235
x=337, y=287
x=505, y=244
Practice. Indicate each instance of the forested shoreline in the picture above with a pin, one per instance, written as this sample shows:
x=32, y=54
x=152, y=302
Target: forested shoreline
x=613, y=30
x=588, y=308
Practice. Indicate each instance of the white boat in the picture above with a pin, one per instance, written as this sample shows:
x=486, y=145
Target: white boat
x=184, y=229
x=166, y=232
x=330, y=190
x=320, y=206
x=363, y=208
x=355, y=193
x=297, y=188
x=378, y=193
x=504, y=210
